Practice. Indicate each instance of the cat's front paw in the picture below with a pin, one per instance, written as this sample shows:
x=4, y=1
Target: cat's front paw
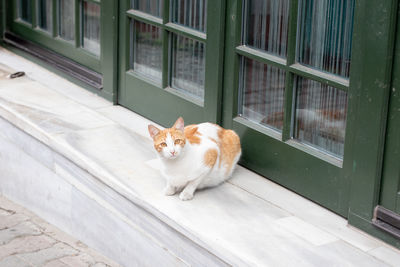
x=169, y=190
x=185, y=196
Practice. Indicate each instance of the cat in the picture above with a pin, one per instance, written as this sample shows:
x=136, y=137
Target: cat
x=195, y=156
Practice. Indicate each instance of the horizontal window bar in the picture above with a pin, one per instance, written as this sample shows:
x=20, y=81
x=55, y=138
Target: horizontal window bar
x=182, y=30
x=320, y=76
x=144, y=17
x=316, y=153
x=185, y=96
x=261, y=56
x=93, y=1
x=259, y=128
x=142, y=77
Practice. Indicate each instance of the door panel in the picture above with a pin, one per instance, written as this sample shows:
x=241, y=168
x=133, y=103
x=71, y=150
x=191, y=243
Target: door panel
x=390, y=190
x=171, y=59
x=287, y=77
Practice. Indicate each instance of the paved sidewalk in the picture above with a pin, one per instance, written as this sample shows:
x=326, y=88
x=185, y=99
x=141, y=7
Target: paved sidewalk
x=26, y=240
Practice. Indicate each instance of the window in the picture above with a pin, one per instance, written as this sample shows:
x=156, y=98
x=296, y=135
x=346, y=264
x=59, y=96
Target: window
x=295, y=83
x=184, y=38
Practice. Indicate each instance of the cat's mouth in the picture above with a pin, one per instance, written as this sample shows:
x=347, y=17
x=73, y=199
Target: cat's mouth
x=171, y=156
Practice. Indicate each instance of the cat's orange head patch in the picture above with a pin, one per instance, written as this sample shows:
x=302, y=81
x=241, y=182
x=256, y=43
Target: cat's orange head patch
x=169, y=142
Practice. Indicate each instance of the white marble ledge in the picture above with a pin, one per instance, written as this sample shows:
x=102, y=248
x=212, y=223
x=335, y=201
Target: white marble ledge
x=248, y=220
x=52, y=80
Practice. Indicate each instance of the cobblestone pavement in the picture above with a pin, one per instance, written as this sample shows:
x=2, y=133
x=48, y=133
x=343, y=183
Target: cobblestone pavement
x=26, y=240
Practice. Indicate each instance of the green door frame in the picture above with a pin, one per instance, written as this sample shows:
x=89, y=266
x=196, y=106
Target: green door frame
x=390, y=197
x=105, y=64
x=375, y=32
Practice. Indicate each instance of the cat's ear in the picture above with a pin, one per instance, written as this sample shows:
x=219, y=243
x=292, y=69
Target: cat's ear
x=153, y=130
x=179, y=124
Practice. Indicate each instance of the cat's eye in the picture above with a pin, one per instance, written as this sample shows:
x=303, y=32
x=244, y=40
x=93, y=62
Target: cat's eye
x=178, y=141
x=163, y=144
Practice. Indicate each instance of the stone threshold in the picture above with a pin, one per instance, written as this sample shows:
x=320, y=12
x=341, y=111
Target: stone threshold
x=104, y=152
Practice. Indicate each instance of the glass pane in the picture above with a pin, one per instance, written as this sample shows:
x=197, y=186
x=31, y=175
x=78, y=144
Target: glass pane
x=325, y=34
x=67, y=19
x=91, y=27
x=45, y=15
x=153, y=7
x=321, y=116
x=267, y=25
x=147, y=50
x=262, y=93
x=188, y=66
x=25, y=10
x=192, y=14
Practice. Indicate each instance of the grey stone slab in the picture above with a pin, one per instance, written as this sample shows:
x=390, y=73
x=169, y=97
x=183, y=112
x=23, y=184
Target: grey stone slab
x=111, y=143
x=43, y=256
x=75, y=122
x=22, y=229
x=26, y=244
x=128, y=119
x=302, y=208
x=388, y=255
x=156, y=228
x=4, y=213
x=82, y=260
x=14, y=261
x=12, y=220
x=341, y=253
x=130, y=244
x=22, y=179
x=58, y=263
x=35, y=149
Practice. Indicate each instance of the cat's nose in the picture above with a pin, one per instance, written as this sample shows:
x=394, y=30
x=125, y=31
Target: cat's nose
x=173, y=153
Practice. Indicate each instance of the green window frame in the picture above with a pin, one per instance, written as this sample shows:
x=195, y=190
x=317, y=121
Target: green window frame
x=293, y=69
x=104, y=62
x=52, y=40
x=137, y=91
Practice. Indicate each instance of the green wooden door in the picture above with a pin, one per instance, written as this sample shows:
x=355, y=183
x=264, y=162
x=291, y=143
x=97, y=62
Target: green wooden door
x=390, y=189
x=286, y=82
x=171, y=59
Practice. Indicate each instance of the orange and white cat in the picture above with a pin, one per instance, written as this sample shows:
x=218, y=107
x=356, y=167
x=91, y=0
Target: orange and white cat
x=195, y=156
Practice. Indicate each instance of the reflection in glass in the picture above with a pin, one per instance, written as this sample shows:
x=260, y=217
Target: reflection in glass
x=321, y=116
x=325, y=34
x=192, y=14
x=25, y=10
x=152, y=7
x=67, y=19
x=267, y=25
x=91, y=27
x=45, y=15
x=188, y=66
x=147, y=50
x=262, y=93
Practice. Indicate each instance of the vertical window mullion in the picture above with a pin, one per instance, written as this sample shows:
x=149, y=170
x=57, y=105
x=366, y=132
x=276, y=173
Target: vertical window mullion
x=78, y=24
x=166, y=47
x=34, y=10
x=55, y=18
x=291, y=58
